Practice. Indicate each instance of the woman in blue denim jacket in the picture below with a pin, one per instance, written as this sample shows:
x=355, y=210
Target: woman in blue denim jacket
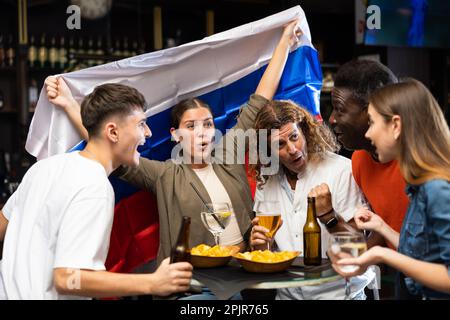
x=407, y=124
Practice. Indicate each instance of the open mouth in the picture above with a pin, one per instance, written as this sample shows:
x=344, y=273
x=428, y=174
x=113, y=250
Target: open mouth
x=202, y=146
x=298, y=159
x=138, y=145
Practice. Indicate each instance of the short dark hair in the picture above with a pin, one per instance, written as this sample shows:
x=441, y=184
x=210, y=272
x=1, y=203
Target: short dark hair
x=181, y=107
x=107, y=100
x=362, y=77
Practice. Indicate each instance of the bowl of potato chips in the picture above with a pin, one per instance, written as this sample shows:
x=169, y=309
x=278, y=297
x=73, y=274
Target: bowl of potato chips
x=204, y=256
x=266, y=261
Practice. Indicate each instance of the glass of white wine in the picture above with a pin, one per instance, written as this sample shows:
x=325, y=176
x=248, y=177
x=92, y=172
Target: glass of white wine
x=347, y=245
x=216, y=217
x=269, y=215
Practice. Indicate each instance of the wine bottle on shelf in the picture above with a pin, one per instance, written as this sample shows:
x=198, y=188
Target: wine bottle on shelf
x=126, y=52
x=3, y=177
x=2, y=100
x=141, y=47
x=99, y=51
x=2, y=51
x=134, y=50
x=91, y=51
x=33, y=95
x=117, y=49
x=32, y=53
x=10, y=52
x=62, y=53
x=43, y=52
x=70, y=53
x=80, y=48
x=53, y=55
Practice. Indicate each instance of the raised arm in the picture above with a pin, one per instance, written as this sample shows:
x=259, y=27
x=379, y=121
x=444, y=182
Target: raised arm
x=265, y=91
x=59, y=94
x=271, y=78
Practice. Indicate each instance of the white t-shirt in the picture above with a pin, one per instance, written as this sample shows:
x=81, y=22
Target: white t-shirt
x=336, y=172
x=216, y=191
x=60, y=217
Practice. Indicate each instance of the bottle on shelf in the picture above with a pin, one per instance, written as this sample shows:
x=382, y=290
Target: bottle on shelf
x=125, y=52
x=33, y=95
x=10, y=52
x=2, y=51
x=80, y=48
x=117, y=49
x=32, y=52
x=43, y=52
x=2, y=100
x=3, y=177
x=71, y=61
x=141, y=47
x=53, y=54
x=91, y=52
x=62, y=53
x=99, y=51
x=134, y=50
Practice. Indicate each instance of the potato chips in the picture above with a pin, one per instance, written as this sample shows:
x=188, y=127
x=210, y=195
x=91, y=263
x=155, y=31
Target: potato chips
x=216, y=251
x=267, y=256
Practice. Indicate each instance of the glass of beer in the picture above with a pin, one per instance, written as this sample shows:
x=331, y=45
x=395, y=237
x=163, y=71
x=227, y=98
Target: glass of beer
x=216, y=217
x=347, y=245
x=269, y=216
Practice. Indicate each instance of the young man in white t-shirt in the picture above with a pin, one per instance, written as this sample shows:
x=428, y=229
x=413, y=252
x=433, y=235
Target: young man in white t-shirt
x=56, y=226
x=307, y=167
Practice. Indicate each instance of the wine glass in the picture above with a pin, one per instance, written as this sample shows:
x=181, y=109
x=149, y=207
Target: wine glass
x=216, y=217
x=347, y=245
x=269, y=216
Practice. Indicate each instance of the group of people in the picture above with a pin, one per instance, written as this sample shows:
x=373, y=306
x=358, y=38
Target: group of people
x=56, y=226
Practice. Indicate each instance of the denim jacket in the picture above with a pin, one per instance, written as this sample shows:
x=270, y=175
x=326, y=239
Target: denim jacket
x=425, y=233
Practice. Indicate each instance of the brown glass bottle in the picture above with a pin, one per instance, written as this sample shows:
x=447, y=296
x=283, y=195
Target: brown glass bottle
x=312, y=242
x=181, y=251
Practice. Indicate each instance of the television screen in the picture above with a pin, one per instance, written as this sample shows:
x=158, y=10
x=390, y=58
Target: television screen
x=414, y=23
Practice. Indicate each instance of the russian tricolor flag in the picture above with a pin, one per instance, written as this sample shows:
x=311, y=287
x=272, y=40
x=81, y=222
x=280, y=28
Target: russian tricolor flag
x=223, y=70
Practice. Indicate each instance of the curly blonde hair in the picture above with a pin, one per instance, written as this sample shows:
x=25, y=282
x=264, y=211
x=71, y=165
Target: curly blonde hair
x=277, y=113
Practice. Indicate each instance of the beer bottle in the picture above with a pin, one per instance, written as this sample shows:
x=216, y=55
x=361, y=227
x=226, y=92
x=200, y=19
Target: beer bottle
x=312, y=245
x=181, y=252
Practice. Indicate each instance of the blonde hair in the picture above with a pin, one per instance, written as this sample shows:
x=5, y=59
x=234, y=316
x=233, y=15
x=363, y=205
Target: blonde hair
x=277, y=113
x=425, y=136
